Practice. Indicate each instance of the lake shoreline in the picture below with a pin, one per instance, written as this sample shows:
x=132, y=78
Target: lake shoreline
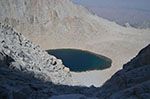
x=80, y=60
x=120, y=44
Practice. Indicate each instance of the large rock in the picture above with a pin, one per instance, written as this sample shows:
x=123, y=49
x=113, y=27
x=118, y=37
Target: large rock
x=20, y=54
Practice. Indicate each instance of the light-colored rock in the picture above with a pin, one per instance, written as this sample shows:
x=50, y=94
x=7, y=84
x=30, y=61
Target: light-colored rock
x=127, y=25
x=27, y=57
x=59, y=61
x=66, y=69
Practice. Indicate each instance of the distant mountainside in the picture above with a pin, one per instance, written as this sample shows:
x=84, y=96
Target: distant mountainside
x=135, y=12
x=53, y=21
x=136, y=18
x=38, y=16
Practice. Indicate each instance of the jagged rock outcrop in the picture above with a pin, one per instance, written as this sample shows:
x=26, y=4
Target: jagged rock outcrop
x=21, y=71
x=20, y=54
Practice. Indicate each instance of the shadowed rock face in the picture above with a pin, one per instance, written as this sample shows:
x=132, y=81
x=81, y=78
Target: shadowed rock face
x=20, y=54
x=133, y=81
x=24, y=66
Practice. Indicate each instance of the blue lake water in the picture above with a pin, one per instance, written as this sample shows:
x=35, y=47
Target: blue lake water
x=79, y=60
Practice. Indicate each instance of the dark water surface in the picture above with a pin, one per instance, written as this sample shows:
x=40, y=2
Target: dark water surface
x=79, y=60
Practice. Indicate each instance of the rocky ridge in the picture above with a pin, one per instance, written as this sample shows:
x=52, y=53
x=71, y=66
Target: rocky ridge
x=36, y=16
x=22, y=55
x=21, y=79
x=56, y=22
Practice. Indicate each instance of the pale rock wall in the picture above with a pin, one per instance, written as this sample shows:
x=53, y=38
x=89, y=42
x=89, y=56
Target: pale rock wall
x=52, y=23
x=30, y=58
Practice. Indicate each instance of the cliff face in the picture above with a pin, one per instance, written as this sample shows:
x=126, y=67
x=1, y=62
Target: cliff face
x=20, y=54
x=57, y=22
x=38, y=16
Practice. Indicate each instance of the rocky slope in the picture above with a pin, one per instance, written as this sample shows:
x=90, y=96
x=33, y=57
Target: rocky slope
x=42, y=17
x=58, y=23
x=24, y=70
x=22, y=55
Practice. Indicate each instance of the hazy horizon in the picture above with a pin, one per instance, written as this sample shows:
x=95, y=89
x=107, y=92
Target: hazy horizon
x=135, y=12
x=135, y=4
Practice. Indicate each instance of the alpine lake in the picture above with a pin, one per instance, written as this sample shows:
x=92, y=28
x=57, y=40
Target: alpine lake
x=79, y=60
